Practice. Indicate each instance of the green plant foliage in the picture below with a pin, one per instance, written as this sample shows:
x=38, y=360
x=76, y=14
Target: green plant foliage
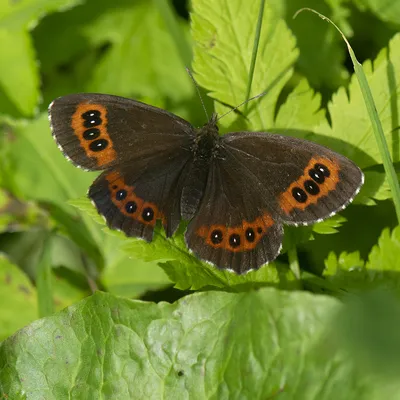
x=201, y=332
x=16, y=19
x=382, y=268
x=161, y=354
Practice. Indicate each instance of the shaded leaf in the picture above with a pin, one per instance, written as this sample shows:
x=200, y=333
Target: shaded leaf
x=207, y=345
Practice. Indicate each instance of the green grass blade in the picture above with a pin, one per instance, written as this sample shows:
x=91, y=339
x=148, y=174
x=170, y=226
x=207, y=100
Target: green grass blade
x=255, y=51
x=178, y=36
x=373, y=114
x=43, y=281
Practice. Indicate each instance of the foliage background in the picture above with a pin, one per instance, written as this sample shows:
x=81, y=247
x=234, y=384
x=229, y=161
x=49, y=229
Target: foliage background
x=270, y=333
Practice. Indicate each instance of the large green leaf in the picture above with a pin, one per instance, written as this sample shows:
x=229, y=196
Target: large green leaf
x=212, y=345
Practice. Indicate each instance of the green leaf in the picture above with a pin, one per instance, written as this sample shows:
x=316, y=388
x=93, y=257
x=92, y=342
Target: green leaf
x=19, y=74
x=322, y=55
x=127, y=47
x=382, y=269
x=300, y=113
x=16, y=216
x=43, y=172
x=330, y=225
x=388, y=11
x=158, y=69
x=224, y=35
x=185, y=269
x=131, y=277
x=375, y=187
x=385, y=256
x=256, y=345
x=17, y=297
x=351, y=132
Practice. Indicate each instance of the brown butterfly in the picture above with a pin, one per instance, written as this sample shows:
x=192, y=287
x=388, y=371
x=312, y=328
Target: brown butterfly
x=235, y=190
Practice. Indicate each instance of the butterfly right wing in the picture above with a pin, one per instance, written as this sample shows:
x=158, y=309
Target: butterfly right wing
x=143, y=149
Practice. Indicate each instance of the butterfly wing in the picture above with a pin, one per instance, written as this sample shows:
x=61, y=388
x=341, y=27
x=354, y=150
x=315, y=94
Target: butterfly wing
x=256, y=183
x=302, y=181
x=98, y=131
x=133, y=199
x=143, y=149
x=233, y=227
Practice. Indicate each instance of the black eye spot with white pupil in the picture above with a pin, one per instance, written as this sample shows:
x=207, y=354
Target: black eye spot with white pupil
x=323, y=169
x=311, y=187
x=121, y=194
x=91, y=134
x=216, y=236
x=148, y=214
x=234, y=240
x=91, y=114
x=316, y=175
x=91, y=118
x=130, y=207
x=250, y=235
x=98, y=145
x=299, y=195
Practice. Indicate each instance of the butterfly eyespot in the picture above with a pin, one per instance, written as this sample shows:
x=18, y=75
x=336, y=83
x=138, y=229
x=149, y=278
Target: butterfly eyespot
x=148, y=214
x=323, y=169
x=89, y=123
x=311, y=187
x=98, y=145
x=121, y=194
x=250, y=235
x=131, y=207
x=259, y=230
x=299, y=195
x=91, y=114
x=316, y=175
x=91, y=134
x=216, y=236
x=234, y=240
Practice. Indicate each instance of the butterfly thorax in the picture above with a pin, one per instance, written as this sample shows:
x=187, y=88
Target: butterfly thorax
x=207, y=140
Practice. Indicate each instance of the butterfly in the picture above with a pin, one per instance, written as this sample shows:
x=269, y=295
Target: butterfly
x=236, y=191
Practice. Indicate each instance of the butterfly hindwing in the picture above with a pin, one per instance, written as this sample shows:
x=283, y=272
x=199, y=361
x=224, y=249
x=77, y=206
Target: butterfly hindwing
x=132, y=198
x=233, y=227
x=98, y=131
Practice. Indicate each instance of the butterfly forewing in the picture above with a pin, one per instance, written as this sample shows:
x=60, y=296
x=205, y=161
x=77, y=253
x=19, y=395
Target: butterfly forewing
x=97, y=131
x=303, y=182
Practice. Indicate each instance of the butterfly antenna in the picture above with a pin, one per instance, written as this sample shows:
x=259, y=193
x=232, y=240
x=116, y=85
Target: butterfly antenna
x=241, y=104
x=198, y=91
